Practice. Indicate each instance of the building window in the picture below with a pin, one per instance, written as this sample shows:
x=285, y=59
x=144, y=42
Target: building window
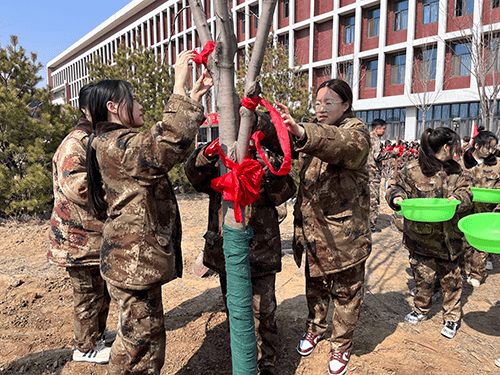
x=373, y=22
x=241, y=16
x=430, y=11
x=284, y=40
x=401, y=15
x=349, y=30
x=464, y=7
x=346, y=72
x=427, y=64
x=493, y=57
x=286, y=8
x=460, y=60
x=255, y=13
x=495, y=4
x=398, y=64
x=371, y=74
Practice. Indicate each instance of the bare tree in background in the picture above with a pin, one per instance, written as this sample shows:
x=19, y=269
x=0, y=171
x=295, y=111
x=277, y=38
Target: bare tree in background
x=480, y=38
x=424, y=92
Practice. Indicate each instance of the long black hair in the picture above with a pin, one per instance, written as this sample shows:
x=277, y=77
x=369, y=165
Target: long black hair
x=83, y=97
x=344, y=91
x=110, y=90
x=430, y=143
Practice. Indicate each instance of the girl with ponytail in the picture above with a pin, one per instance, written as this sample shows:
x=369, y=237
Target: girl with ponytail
x=75, y=241
x=128, y=176
x=436, y=249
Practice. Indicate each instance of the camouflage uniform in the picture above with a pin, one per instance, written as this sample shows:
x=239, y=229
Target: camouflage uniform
x=436, y=249
x=75, y=239
x=484, y=175
x=264, y=247
x=142, y=235
x=375, y=166
x=332, y=223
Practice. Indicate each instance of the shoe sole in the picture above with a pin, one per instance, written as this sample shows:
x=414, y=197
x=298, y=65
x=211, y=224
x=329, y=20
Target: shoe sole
x=304, y=354
x=97, y=363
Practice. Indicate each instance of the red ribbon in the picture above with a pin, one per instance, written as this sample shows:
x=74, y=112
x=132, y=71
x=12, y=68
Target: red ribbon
x=241, y=185
x=202, y=57
x=252, y=103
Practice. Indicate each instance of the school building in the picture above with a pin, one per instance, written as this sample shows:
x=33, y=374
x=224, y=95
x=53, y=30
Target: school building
x=398, y=56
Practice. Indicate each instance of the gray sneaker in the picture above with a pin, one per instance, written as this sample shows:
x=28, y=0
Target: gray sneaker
x=108, y=336
x=100, y=354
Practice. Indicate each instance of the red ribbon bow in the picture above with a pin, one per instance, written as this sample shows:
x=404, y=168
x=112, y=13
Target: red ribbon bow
x=202, y=57
x=241, y=185
x=281, y=130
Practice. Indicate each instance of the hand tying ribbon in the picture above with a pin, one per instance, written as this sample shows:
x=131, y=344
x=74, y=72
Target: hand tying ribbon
x=202, y=57
x=241, y=185
x=281, y=130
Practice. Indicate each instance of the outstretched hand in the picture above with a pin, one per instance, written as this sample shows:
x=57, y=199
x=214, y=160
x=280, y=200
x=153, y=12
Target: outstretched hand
x=290, y=123
x=201, y=86
x=181, y=71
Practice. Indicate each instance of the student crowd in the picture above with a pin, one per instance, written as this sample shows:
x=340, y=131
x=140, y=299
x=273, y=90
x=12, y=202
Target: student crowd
x=116, y=226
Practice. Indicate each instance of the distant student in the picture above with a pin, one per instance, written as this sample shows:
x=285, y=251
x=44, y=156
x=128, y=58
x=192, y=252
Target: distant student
x=75, y=242
x=484, y=165
x=436, y=249
x=142, y=234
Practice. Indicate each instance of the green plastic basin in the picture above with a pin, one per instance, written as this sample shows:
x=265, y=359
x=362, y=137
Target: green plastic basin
x=485, y=195
x=482, y=231
x=429, y=210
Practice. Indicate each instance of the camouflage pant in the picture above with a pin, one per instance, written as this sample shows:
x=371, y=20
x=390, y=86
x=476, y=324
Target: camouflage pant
x=264, y=309
x=139, y=347
x=426, y=272
x=90, y=305
x=346, y=289
x=374, y=198
x=475, y=262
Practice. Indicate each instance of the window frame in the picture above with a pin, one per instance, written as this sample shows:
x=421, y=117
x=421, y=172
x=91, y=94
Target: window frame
x=423, y=61
x=430, y=4
x=398, y=69
x=458, y=67
x=459, y=10
x=370, y=73
x=400, y=16
x=375, y=21
x=349, y=28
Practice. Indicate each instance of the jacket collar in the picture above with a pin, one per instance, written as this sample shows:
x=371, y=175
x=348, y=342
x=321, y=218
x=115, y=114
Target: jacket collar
x=470, y=161
x=84, y=125
x=452, y=167
x=106, y=127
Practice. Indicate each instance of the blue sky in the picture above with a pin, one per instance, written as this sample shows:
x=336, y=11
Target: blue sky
x=49, y=27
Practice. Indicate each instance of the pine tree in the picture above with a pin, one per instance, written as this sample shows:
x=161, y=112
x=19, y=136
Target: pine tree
x=279, y=82
x=31, y=129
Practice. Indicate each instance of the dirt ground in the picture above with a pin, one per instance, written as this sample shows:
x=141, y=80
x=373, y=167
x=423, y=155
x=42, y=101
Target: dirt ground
x=36, y=313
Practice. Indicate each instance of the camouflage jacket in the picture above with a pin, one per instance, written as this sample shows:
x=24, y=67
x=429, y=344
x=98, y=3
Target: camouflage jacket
x=377, y=155
x=333, y=203
x=442, y=239
x=485, y=175
x=75, y=236
x=142, y=235
x=261, y=216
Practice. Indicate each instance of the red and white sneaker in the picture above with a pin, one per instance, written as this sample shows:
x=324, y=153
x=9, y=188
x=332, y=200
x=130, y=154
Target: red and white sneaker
x=338, y=363
x=308, y=343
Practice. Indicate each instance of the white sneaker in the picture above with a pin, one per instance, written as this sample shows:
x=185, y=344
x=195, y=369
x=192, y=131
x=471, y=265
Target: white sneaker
x=414, y=317
x=108, y=336
x=100, y=354
x=489, y=265
x=497, y=362
x=474, y=282
x=338, y=363
x=308, y=343
x=450, y=329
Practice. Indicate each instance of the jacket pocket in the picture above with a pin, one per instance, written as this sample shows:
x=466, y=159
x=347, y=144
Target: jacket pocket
x=421, y=227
